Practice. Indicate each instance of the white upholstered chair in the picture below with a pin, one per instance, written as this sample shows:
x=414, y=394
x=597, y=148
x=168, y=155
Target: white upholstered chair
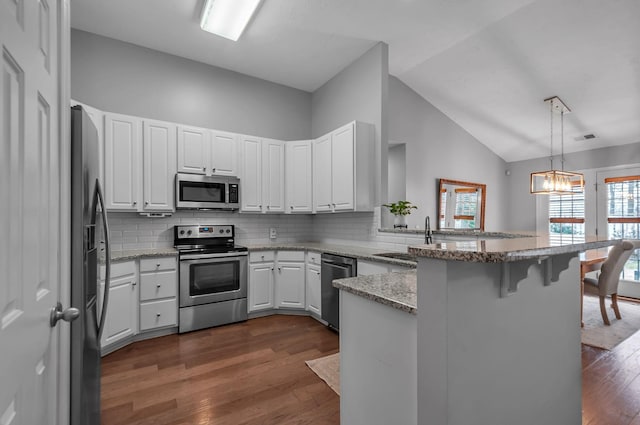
x=607, y=282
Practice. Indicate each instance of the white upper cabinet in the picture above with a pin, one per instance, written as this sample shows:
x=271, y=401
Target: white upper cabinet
x=159, y=162
x=193, y=149
x=322, y=165
x=343, y=169
x=207, y=152
x=123, y=169
x=273, y=175
x=224, y=153
x=298, y=181
x=262, y=175
x=251, y=174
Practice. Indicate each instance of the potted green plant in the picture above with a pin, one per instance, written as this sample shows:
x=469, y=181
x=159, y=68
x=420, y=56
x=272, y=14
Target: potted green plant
x=400, y=210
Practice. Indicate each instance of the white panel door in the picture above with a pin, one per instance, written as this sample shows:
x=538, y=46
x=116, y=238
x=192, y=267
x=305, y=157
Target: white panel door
x=31, y=214
x=260, y=292
x=273, y=175
x=224, y=153
x=251, y=179
x=298, y=181
x=290, y=285
x=159, y=162
x=314, y=301
x=193, y=150
x=322, y=173
x=123, y=171
x=342, y=160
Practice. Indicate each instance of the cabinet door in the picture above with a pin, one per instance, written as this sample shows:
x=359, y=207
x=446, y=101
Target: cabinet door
x=314, y=302
x=322, y=173
x=273, y=175
x=298, y=182
x=193, y=150
x=224, y=153
x=251, y=179
x=342, y=155
x=290, y=285
x=123, y=145
x=159, y=161
x=261, y=286
x=122, y=311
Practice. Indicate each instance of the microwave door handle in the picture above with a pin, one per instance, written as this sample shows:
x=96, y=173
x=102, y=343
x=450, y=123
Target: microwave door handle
x=98, y=195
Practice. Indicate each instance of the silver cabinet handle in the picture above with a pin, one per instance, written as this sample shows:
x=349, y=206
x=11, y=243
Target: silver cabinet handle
x=280, y=269
x=204, y=168
x=146, y=202
x=268, y=207
x=157, y=265
x=291, y=207
x=329, y=205
x=272, y=269
x=158, y=286
x=260, y=206
x=318, y=273
x=262, y=256
x=334, y=205
x=213, y=170
x=134, y=283
x=135, y=203
x=68, y=315
x=158, y=314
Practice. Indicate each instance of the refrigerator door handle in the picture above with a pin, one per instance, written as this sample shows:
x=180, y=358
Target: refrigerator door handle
x=107, y=256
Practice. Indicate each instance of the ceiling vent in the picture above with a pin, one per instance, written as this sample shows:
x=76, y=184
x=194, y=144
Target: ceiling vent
x=585, y=137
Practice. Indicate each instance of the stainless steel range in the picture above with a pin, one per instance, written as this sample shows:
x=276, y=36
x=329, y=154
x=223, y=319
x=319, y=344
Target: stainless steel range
x=212, y=276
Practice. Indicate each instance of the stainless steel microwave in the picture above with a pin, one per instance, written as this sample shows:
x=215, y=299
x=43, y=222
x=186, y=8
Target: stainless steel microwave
x=195, y=192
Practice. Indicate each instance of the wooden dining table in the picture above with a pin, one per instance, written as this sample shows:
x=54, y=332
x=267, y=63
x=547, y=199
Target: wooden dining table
x=590, y=261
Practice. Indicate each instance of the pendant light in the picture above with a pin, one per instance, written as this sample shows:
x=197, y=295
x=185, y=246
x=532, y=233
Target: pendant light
x=553, y=181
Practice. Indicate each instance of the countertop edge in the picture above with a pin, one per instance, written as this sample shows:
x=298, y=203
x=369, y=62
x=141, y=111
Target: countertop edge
x=369, y=287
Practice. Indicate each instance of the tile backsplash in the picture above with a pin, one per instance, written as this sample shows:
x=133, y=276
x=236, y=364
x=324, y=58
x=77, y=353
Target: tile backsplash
x=132, y=231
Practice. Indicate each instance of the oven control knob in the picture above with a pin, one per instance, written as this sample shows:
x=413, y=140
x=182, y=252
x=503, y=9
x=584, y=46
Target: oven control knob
x=228, y=230
x=189, y=232
x=221, y=230
x=182, y=232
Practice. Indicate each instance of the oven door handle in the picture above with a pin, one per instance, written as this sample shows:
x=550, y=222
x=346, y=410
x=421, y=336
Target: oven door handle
x=212, y=256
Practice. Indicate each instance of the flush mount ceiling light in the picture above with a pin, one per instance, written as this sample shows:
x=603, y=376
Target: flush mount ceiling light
x=227, y=18
x=557, y=181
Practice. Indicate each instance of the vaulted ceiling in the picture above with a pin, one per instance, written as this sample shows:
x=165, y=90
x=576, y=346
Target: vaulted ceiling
x=488, y=65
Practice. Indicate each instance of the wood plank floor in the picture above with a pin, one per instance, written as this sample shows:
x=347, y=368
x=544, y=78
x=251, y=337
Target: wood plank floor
x=254, y=373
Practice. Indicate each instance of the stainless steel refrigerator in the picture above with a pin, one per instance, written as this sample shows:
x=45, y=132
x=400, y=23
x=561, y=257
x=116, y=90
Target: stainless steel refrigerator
x=88, y=221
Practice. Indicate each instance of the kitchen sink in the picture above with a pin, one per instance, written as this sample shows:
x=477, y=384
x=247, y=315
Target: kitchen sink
x=397, y=255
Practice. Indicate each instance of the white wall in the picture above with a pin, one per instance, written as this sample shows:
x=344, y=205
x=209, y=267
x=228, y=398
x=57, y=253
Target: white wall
x=397, y=173
x=522, y=205
x=358, y=92
x=436, y=147
x=120, y=77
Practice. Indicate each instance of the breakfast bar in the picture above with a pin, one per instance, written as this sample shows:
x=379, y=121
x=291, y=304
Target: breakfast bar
x=497, y=336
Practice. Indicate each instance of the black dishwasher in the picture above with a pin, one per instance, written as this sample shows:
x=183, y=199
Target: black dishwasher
x=334, y=267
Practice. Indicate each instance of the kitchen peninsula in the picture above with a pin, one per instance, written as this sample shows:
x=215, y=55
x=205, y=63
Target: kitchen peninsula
x=492, y=337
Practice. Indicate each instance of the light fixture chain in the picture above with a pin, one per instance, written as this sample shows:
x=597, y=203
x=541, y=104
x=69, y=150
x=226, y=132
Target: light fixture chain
x=551, y=141
x=562, y=139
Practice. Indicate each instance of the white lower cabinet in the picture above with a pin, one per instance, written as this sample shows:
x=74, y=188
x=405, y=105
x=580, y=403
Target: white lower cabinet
x=122, y=307
x=158, y=293
x=261, y=280
x=314, y=302
x=276, y=280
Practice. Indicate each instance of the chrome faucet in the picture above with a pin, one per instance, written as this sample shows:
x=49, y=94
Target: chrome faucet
x=427, y=232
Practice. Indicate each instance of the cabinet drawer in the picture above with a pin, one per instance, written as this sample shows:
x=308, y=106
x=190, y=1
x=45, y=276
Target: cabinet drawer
x=119, y=269
x=156, y=314
x=159, y=263
x=314, y=257
x=158, y=285
x=290, y=255
x=261, y=256
x=366, y=268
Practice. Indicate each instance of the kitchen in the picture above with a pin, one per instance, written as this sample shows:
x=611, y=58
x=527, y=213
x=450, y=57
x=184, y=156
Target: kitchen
x=122, y=78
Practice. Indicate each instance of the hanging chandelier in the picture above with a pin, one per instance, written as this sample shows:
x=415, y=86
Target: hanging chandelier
x=553, y=181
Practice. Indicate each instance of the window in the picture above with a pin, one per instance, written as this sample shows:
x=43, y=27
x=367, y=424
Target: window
x=566, y=217
x=623, y=217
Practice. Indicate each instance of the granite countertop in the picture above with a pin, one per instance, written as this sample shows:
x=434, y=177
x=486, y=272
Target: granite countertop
x=507, y=250
x=134, y=254
x=463, y=232
x=359, y=252
x=397, y=290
